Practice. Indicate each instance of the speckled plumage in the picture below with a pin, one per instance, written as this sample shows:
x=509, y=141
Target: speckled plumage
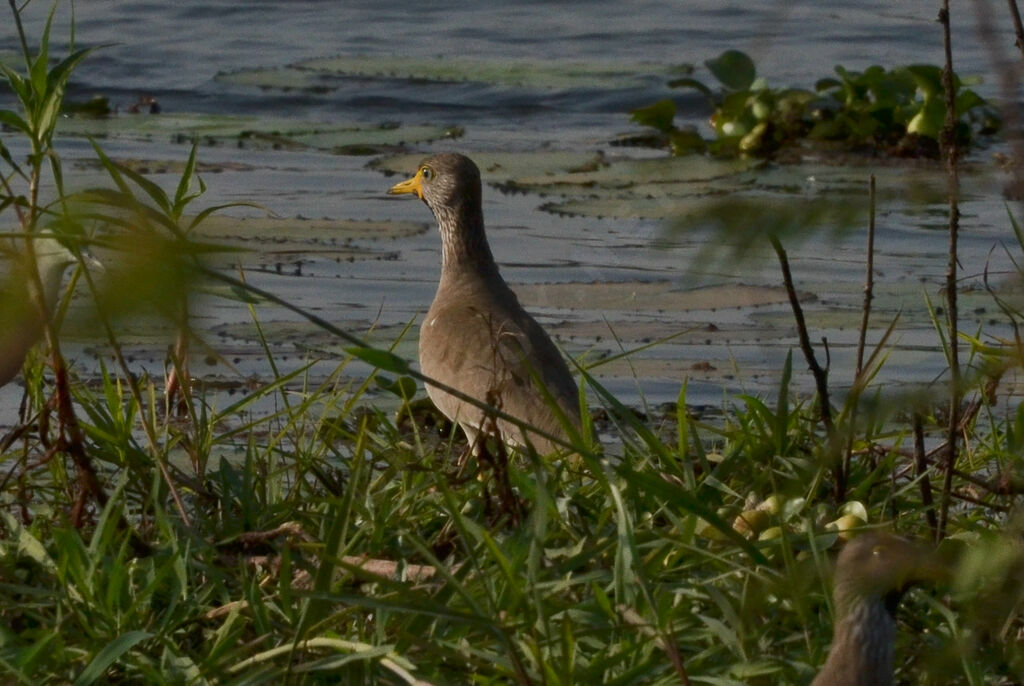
x=476, y=337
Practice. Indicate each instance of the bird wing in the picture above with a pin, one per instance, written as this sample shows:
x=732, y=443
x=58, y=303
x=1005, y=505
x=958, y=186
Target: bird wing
x=500, y=355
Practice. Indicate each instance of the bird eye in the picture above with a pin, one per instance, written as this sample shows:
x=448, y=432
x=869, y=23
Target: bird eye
x=427, y=173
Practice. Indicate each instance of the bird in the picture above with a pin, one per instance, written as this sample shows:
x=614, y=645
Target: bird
x=21, y=324
x=476, y=337
x=872, y=573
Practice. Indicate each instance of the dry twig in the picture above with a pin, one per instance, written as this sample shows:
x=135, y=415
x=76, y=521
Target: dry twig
x=951, y=154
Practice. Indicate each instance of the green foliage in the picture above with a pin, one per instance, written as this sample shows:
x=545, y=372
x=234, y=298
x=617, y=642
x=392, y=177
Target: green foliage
x=39, y=92
x=658, y=115
x=897, y=112
x=734, y=69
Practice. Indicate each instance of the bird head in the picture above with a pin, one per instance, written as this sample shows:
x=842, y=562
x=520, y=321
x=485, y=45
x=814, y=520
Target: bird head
x=878, y=566
x=446, y=180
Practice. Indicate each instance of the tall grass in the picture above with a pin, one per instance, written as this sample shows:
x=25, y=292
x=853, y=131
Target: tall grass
x=329, y=542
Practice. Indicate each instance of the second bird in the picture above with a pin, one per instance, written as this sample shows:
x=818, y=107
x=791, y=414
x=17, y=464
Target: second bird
x=476, y=337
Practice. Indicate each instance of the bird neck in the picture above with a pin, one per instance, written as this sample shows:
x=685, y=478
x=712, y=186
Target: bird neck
x=463, y=241
x=863, y=644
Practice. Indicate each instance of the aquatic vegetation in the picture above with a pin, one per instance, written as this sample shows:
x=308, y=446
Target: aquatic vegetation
x=255, y=132
x=322, y=73
x=896, y=112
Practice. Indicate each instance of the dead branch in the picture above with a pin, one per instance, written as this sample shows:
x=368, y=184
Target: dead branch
x=951, y=153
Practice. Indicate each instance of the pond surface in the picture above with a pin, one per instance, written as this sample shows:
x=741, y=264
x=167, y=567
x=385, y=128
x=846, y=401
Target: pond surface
x=311, y=108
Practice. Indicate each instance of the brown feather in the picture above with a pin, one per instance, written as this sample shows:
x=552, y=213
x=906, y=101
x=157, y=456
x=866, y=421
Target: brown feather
x=476, y=337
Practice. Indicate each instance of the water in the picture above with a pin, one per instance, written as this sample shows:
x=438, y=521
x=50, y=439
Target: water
x=563, y=265
x=175, y=51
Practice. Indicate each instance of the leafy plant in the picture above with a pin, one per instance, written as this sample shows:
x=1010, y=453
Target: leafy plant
x=895, y=112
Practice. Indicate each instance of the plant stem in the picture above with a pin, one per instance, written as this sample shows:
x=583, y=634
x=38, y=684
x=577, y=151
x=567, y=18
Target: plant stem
x=820, y=374
x=951, y=153
x=71, y=439
x=921, y=472
x=179, y=381
x=869, y=286
x=1018, y=26
x=1008, y=74
x=869, y=277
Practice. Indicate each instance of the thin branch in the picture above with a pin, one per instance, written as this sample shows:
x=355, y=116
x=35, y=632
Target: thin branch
x=21, y=29
x=833, y=454
x=921, y=472
x=1008, y=72
x=869, y=286
x=869, y=277
x=951, y=154
x=820, y=374
x=1018, y=27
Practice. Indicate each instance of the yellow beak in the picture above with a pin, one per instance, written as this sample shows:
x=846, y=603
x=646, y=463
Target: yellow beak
x=413, y=185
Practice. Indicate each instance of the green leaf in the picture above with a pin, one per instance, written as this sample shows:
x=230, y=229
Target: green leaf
x=46, y=117
x=755, y=141
x=967, y=100
x=734, y=69
x=59, y=75
x=782, y=405
x=928, y=78
x=37, y=72
x=181, y=196
x=734, y=117
x=658, y=115
x=827, y=83
x=158, y=195
x=126, y=201
x=106, y=657
x=11, y=119
x=31, y=547
x=929, y=120
x=1018, y=230
x=241, y=295
x=199, y=218
x=18, y=85
x=686, y=142
x=691, y=83
x=111, y=168
x=404, y=386
x=381, y=359
x=41, y=650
